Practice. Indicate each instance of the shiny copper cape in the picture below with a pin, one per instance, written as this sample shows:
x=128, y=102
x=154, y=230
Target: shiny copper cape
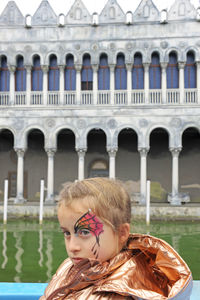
x=147, y=268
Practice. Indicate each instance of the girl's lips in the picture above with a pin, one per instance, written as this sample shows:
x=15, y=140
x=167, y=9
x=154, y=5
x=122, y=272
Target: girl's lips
x=76, y=260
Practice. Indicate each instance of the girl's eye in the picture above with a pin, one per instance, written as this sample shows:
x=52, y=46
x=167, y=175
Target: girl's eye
x=84, y=232
x=66, y=234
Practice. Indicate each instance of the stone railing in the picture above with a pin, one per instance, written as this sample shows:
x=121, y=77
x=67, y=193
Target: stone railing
x=103, y=98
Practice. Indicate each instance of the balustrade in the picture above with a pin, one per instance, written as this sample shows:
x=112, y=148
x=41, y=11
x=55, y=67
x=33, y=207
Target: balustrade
x=4, y=99
x=173, y=96
x=120, y=97
x=86, y=98
x=53, y=98
x=190, y=96
x=37, y=98
x=70, y=98
x=138, y=97
x=103, y=98
x=20, y=98
x=155, y=96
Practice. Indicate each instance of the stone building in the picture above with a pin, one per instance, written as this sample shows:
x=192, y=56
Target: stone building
x=115, y=94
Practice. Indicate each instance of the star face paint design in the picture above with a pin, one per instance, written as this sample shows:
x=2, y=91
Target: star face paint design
x=89, y=221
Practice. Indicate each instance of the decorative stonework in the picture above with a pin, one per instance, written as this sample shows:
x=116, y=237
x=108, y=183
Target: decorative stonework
x=78, y=14
x=18, y=124
x=77, y=46
x=176, y=122
x=11, y=15
x=43, y=48
x=164, y=44
x=81, y=124
x=181, y=10
x=146, y=11
x=50, y=123
x=112, y=46
x=95, y=47
x=44, y=15
x=112, y=124
x=143, y=123
x=112, y=12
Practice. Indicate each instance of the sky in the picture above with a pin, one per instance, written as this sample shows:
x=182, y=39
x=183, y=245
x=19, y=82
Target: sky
x=63, y=6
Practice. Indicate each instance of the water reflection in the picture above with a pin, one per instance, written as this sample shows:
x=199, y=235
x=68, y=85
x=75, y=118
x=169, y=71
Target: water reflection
x=40, y=249
x=4, y=249
x=31, y=253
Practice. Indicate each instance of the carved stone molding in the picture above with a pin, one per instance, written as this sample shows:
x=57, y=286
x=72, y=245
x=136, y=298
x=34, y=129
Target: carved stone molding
x=112, y=151
x=50, y=151
x=20, y=152
x=143, y=151
x=175, y=151
x=45, y=68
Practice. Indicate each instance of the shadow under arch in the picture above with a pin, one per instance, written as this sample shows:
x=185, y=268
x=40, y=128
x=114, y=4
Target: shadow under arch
x=96, y=149
x=189, y=164
x=66, y=159
x=159, y=161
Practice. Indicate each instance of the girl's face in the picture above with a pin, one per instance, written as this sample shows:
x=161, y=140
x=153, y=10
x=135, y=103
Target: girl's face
x=86, y=235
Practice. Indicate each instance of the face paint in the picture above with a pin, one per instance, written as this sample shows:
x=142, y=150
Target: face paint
x=90, y=222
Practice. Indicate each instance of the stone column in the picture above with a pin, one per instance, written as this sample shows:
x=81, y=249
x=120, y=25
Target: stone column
x=112, y=84
x=175, y=199
x=81, y=163
x=95, y=83
x=28, y=84
x=78, y=68
x=181, y=66
x=50, y=176
x=62, y=83
x=164, y=82
x=20, y=176
x=45, y=70
x=12, y=70
x=112, y=154
x=143, y=174
x=129, y=81
x=146, y=82
x=198, y=81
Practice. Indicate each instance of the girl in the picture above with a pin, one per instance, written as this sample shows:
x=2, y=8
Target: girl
x=105, y=260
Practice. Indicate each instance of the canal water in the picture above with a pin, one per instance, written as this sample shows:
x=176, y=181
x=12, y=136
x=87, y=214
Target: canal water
x=32, y=253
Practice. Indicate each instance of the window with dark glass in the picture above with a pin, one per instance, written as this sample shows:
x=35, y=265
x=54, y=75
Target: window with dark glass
x=138, y=72
x=20, y=75
x=70, y=74
x=120, y=73
x=86, y=74
x=103, y=73
x=36, y=75
x=4, y=75
x=155, y=72
x=172, y=72
x=54, y=74
x=190, y=72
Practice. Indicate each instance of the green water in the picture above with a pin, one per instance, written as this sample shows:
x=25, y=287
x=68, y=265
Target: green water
x=31, y=253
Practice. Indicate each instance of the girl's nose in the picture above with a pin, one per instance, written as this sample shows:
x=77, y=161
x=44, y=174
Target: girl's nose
x=73, y=244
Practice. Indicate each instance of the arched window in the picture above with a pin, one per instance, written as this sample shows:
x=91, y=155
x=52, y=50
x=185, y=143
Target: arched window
x=70, y=74
x=172, y=72
x=86, y=74
x=138, y=72
x=20, y=75
x=155, y=72
x=190, y=71
x=4, y=75
x=53, y=74
x=103, y=73
x=120, y=73
x=37, y=75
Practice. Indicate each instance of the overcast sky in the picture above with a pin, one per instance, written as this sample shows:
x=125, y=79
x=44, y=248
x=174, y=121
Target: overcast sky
x=63, y=6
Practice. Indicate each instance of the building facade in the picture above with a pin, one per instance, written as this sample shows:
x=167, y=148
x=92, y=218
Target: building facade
x=115, y=94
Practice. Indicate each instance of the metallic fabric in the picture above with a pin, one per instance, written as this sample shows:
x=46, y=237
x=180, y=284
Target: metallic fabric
x=147, y=268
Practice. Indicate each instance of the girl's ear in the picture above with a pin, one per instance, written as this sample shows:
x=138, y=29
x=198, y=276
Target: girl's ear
x=124, y=231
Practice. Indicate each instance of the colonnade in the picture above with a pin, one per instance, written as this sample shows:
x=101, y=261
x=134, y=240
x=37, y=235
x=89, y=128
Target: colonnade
x=112, y=152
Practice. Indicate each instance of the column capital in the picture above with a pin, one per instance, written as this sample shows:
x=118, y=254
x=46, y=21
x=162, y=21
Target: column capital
x=61, y=67
x=175, y=151
x=20, y=151
x=198, y=64
x=81, y=151
x=95, y=67
x=164, y=65
x=129, y=66
x=45, y=68
x=112, y=67
x=181, y=65
x=50, y=151
x=112, y=151
x=146, y=66
x=12, y=68
x=78, y=67
x=28, y=68
x=143, y=151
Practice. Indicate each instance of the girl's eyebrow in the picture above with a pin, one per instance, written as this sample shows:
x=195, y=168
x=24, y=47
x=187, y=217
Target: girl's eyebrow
x=63, y=228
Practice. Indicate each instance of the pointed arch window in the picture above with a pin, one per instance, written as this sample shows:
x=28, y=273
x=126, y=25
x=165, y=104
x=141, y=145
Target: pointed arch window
x=70, y=74
x=4, y=75
x=54, y=74
x=190, y=71
x=120, y=73
x=86, y=74
x=103, y=73
x=172, y=72
x=36, y=75
x=20, y=75
x=155, y=72
x=138, y=72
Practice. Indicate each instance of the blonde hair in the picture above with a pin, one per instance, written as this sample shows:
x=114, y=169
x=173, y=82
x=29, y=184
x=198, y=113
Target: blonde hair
x=107, y=198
